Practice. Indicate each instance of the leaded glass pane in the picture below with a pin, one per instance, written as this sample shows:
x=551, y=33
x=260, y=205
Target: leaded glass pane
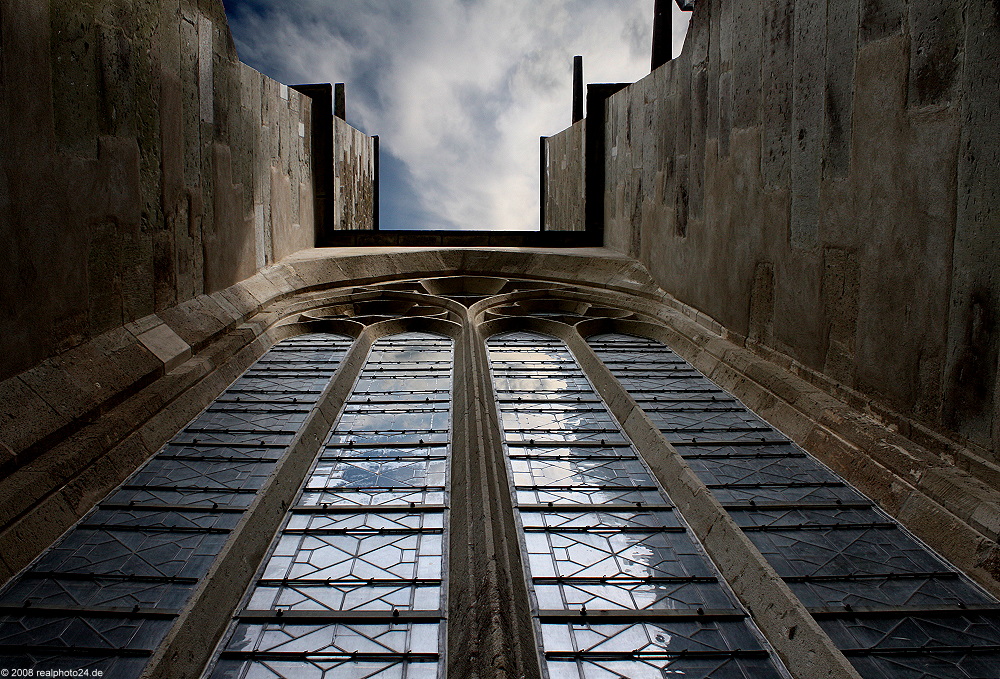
x=318, y=668
x=665, y=636
x=365, y=536
x=658, y=668
x=894, y=607
x=104, y=596
x=601, y=536
x=356, y=557
x=638, y=594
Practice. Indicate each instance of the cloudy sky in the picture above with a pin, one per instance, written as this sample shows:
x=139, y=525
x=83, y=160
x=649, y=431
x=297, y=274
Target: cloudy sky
x=457, y=90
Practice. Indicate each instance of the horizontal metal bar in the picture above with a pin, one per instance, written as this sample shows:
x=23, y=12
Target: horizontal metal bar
x=624, y=615
x=362, y=433
x=316, y=617
x=785, y=506
x=694, y=441
x=673, y=409
x=234, y=444
x=529, y=399
x=383, y=444
x=623, y=580
x=611, y=508
x=746, y=456
x=200, y=509
x=193, y=489
x=362, y=531
x=333, y=582
x=921, y=650
x=330, y=657
x=712, y=430
x=397, y=458
x=790, y=484
x=156, y=579
x=600, y=530
x=151, y=529
x=271, y=390
x=571, y=444
x=823, y=526
x=657, y=655
x=932, y=575
x=348, y=489
x=356, y=400
x=366, y=509
x=734, y=444
x=571, y=457
x=242, y=459
x=243, y=432
x=87, y=612
x=246, y=407
x=956, y=610
x=586, y=487
x=562, y=430
x=656, y=396
x=663, y=392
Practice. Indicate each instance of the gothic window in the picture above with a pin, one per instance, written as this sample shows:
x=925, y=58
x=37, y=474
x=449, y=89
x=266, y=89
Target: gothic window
x=105, y=595
x=353, y=584
x=892, y=606
x=620, y=587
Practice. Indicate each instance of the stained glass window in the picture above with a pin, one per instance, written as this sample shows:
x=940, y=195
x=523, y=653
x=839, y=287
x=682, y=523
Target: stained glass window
x=891, y=605
x=352, y=587
x=620, y=587
x=105, y=595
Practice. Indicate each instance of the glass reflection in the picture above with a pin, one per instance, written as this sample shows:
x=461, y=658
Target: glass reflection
x=844, y=558
x=364, y=541
x=600, y=535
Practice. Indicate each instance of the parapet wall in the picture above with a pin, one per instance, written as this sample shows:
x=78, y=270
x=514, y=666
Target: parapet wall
x=821, y=178
x=564, y=179
x=354, y=178
x=143, y=165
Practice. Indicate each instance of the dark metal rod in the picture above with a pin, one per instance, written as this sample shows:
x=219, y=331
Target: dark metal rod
x=577, y=89
x=543, y=184
x=661, y=34
x=339, y=101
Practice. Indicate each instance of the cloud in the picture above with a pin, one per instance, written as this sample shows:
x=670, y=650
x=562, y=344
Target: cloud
x=458, y=90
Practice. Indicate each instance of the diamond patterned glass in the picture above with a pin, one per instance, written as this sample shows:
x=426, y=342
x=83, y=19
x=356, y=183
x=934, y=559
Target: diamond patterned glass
x=895, y=608
x=600, y=536
x=105, y=595
x=352, y=586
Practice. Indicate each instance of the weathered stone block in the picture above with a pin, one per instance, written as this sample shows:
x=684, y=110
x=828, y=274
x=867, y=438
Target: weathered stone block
x=166, y=345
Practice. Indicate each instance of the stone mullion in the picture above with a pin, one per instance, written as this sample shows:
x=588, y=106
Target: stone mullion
x=802, y=645
x=490, y=633
x=189, y=644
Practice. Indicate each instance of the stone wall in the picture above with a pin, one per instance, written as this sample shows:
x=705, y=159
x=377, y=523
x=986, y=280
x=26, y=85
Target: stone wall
x=143, y=165
x=353, y=177
x=821, y=179
x=564, y=179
